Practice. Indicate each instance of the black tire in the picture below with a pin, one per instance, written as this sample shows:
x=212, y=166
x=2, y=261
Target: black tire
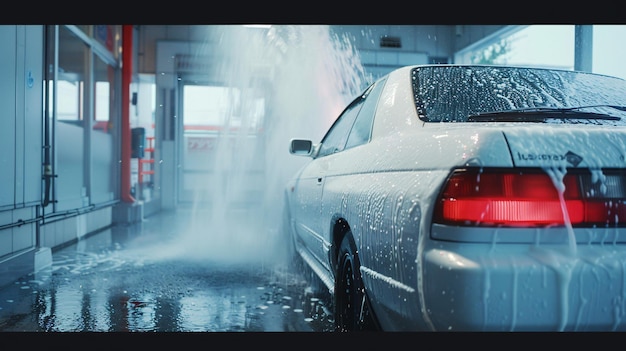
x=351, y=306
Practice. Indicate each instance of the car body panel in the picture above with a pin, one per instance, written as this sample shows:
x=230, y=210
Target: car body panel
x=308, y=226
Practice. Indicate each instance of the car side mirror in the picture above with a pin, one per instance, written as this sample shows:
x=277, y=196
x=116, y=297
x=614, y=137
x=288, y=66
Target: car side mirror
x=301, y=147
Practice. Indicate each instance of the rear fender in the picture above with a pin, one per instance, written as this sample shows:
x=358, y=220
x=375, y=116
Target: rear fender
x=339, y=228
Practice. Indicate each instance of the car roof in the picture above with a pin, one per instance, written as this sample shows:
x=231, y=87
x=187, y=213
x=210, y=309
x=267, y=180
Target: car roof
x=396, y=108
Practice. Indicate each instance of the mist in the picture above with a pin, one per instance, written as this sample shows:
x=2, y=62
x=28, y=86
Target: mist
x=302, y=76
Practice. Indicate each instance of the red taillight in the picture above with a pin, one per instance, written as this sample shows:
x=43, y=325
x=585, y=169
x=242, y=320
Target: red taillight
x=530, y=198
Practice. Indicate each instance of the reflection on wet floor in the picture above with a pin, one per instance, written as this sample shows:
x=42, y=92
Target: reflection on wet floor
x=111, y=281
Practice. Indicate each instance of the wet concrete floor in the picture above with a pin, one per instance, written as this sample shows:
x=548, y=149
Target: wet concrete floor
x=167, y=274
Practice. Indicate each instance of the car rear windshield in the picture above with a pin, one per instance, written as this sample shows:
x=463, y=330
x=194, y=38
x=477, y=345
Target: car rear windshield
x=452, y=93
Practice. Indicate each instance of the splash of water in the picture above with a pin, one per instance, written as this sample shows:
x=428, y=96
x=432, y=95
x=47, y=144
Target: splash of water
x=557, y=174
x=302, y=77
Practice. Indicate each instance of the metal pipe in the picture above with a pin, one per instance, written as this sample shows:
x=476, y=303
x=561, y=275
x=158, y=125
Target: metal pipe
x=47, y=166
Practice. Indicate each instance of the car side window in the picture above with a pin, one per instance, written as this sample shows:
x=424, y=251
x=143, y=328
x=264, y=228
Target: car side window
x=335, y=139
x=362, y=129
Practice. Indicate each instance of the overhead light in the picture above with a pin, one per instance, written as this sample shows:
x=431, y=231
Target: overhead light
x=262, y=26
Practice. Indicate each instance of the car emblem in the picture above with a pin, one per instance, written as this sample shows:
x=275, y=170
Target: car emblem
x=573, y=158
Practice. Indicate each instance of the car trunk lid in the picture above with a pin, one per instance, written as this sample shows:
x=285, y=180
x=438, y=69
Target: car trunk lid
x=567, y=146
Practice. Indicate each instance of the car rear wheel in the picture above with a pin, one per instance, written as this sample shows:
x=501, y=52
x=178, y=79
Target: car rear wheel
x=351, y=307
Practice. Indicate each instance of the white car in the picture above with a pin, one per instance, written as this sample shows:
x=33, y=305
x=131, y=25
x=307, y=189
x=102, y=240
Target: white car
x=469, y=198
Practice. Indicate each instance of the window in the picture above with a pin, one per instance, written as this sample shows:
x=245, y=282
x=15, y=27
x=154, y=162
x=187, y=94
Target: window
x=550, y=46
x=214, y=106
x=546, y=45
x=608, y=57
x=362, y=129
x=103, y=94
x=337, y=137
x=72, y=67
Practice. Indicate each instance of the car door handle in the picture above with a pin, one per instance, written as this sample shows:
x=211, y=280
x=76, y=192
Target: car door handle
x=319, y=180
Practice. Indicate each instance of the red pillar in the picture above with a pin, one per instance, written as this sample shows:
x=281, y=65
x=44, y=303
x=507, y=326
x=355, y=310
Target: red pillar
x=127, y=70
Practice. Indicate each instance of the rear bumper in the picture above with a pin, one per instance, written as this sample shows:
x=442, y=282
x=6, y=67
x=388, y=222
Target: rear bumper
x=525, y=287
